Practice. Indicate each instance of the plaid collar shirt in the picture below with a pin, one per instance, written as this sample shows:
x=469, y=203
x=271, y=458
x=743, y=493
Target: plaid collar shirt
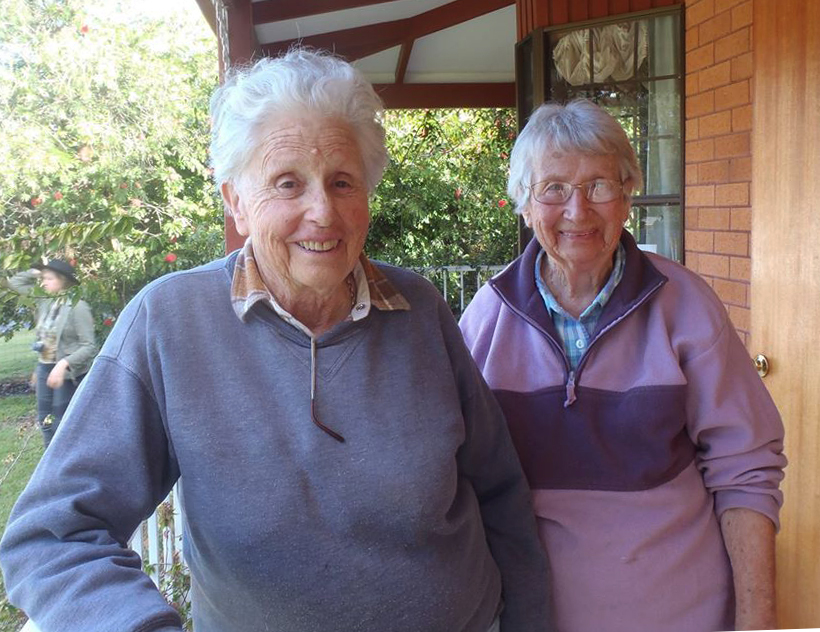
x=372, y=289
x=576, y=334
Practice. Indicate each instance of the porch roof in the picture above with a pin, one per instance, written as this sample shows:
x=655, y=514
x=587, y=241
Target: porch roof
x=418, y=53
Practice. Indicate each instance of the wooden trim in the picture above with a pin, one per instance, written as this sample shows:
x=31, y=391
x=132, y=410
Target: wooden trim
x=206, y=7
x=367, y=40
x=404, y=59
x=446, y=95
x=278, y=10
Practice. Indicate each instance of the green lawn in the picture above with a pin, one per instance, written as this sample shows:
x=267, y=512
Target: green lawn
x=17, y=360
x=20, y=450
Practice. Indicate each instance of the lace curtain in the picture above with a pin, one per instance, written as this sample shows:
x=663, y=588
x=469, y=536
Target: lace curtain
x=613, y=49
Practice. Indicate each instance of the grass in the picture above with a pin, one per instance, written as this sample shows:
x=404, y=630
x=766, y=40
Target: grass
x=17, y=360
x=20, y=450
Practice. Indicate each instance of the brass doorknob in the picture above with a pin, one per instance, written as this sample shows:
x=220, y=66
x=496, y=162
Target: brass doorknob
x=761, y=364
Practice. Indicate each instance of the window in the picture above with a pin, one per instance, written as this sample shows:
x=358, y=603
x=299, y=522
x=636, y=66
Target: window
x=631, y=67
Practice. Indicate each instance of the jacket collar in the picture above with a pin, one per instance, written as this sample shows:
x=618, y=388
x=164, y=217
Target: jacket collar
x=516, y=286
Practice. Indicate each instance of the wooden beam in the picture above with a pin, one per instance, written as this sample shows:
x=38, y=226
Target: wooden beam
x=404, y=59
x=446, y=95
x=367, y=40
x=277, y=10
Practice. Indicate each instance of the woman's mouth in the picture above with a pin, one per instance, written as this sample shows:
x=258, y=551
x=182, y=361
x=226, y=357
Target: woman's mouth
x=318, y=246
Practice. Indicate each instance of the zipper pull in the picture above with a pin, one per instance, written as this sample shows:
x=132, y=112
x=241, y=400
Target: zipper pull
x=570, y=390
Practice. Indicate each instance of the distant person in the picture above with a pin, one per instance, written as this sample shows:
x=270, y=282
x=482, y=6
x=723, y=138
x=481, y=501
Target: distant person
x=343, y=466
x=653, y=450
x=64, y=341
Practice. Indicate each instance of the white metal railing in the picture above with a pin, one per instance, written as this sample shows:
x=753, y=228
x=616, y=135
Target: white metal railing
x=458, y=284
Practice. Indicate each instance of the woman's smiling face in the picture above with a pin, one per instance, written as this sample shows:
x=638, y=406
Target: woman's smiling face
x=303, y=201
x=578, y=234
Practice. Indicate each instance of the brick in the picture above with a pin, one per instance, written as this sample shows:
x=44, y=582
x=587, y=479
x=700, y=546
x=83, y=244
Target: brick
x=732, y=45
x=725, y=5
x=715, y=124
x=701, y=57
x=713, y=265
x=713, y=171
x=715, y=28
x=741, y=218
x=690, y=260
x=733, y=146
x=692, y=84
x=700, y=195
x=741, y=318
x=690, y=174
x=700, y=150
x=713, y=218
x=715, y=76
x=742, y=15
x=691, y=130
x=731, y=243
x=697, y=12
x=690, y=218
x=692, y=39
x=742, y=67
x=742, y=118
x=740, y=169
x=736, y=194
x=740, y=268
x=699, y=240
x=701, y=104
x=731, y=96
x=731, y=292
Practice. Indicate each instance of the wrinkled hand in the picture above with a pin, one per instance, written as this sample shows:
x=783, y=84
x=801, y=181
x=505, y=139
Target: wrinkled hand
x=57, y=375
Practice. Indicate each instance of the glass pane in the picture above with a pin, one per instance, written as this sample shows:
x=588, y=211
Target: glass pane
x=663, y=166
x=570, y=56
x=664, y=46
x=658, y=229
x=620, y=51
x=664, y=108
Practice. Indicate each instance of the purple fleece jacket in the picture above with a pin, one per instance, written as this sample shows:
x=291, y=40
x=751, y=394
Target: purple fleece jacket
x=633, y=457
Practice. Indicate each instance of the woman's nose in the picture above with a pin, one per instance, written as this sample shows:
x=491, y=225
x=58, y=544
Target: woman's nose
x=576, y=204
x=320, y=207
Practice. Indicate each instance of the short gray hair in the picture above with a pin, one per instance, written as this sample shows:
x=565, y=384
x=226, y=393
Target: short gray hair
x=580, y=126
x=302, y=80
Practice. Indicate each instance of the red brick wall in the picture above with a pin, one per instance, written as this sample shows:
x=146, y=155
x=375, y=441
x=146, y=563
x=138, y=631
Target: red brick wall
x=718, y=149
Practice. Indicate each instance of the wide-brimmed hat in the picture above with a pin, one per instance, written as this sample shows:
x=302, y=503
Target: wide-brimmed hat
x=60, y=267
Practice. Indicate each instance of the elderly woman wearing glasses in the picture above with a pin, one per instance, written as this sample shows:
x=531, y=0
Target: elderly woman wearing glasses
x=651, y=446
x=343, y=466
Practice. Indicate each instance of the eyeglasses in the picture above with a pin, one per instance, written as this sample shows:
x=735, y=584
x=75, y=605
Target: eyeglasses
x=597, y=191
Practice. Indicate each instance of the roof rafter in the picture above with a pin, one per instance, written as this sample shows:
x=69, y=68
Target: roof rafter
x=277, y=10
x=367, y=40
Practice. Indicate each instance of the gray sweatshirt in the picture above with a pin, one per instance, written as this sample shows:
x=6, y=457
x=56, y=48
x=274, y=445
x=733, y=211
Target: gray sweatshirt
x=419, y=522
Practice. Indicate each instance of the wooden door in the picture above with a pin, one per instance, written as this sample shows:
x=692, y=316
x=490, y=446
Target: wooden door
x=786, y=276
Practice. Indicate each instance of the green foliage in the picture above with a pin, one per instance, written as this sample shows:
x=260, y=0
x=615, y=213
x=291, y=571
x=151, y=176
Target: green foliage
x=103, y=146
x=442, y=200
x=20, y=451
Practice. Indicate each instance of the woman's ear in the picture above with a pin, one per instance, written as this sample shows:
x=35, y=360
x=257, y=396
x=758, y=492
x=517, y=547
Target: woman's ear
x=525, y=213
x=233, y=203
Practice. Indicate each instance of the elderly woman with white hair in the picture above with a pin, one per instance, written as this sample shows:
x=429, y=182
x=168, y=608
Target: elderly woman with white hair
x=343, y=465
x=652, y=448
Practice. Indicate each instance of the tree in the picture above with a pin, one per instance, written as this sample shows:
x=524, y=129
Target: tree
x=442, y=200
x=103, y=145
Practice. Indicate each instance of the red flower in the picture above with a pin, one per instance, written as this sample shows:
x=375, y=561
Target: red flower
x=36, y=201
x=108, y=322
x=504, y=155
x=173, y=239
x=84, y=29
x=457, y=194
x=58, y=195
x=170, y=257
x=123, y=185
x=502, y=203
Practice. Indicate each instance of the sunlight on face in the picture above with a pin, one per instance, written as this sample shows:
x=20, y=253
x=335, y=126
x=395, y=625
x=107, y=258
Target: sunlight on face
x=303, y=201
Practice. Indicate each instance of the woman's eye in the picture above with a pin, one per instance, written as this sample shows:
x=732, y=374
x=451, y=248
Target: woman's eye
x=554, y=187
